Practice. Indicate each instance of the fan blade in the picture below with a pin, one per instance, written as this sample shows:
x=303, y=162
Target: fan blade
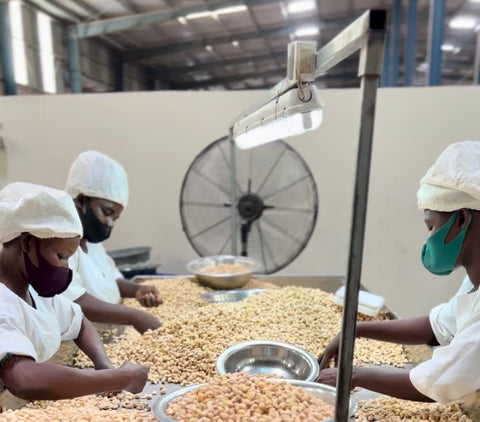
x=239, y=189
x=262, y=250
x=229, y=237
x=286, y=187
x=269, y=251
x=225, y=190
x=280, y=229
x=271, y=169
x=205, y=204
x=250, y=161
x=288, y=209
x=210, y=227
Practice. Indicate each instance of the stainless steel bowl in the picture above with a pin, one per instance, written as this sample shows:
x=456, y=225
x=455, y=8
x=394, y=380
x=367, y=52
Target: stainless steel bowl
x=223, y=281
x=321, y=391
x=221, y=296
x=269, y=357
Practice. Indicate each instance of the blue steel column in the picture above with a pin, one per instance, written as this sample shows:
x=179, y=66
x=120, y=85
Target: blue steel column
x=385, y=79
x=119, y=75
x=6, y=50
x=410, y=47
x=395, y=43
x=435, y=40
x=476, y=65
x=74, y=66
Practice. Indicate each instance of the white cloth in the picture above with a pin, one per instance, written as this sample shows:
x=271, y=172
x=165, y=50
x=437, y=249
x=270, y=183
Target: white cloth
x=453, y=182
x=97, y=175
x=39, y=210
x=453, y=371
x=94, y=272
x=37, y=333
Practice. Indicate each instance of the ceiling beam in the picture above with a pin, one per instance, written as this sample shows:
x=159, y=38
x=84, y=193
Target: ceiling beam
x=225, y=39
x=226, y=80
x=175, y=71
x=342, y=75
x=104, y=26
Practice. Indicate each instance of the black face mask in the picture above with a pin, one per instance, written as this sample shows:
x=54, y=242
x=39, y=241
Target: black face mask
x=93, y=229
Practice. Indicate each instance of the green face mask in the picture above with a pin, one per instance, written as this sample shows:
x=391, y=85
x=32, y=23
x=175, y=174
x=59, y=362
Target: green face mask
x=440, y=258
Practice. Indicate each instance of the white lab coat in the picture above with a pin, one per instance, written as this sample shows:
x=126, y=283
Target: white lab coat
x=93, y=272
x=453, y=371
x=36, y=332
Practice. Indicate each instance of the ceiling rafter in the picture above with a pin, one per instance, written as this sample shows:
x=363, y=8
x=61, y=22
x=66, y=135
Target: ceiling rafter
x=224, y=39
x=91, y=29
x=165, y=72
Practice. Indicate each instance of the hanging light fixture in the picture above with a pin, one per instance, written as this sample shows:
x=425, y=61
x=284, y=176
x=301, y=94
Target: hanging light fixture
x=293, y=106
x=292, y=113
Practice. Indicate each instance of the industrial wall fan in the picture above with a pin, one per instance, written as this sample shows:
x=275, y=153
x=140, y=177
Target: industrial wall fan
x=274, y=197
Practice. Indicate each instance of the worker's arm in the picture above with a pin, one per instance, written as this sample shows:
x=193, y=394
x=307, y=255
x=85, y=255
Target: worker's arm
x=29, y=380
x=147, y=295
x=97, y=310
x=394, y=382
x=403, y=331
x=89, y=342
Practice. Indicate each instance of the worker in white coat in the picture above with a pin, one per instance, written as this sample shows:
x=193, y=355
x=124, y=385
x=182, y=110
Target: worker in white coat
x=39, y=231
x=449, y=194
x=99, y=187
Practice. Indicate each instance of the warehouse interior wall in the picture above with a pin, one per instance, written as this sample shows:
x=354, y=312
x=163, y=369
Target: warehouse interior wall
x=156, y=136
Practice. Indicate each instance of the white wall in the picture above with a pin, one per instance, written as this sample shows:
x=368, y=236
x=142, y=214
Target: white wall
x=157, y=135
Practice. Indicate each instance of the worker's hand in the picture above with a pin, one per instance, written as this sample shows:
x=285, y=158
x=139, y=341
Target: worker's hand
x=137, y=375
x=143, y=321
x=330, y=353
x=328, y=376
x=148, y=296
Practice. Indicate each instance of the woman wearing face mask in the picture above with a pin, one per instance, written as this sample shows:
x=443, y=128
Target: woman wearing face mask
x=99, y=187
x=39, y=232
x=449, y=194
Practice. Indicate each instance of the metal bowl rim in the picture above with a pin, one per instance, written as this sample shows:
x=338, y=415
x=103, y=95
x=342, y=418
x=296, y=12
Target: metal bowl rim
x=254, y=262
x=222, y=358
x=167, y=399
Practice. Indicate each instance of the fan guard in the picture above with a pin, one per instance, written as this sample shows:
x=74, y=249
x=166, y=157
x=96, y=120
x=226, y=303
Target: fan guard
x=276, y=203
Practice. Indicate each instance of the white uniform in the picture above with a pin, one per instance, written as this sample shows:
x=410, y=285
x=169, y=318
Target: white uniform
x=94, y=272
x=37, y=333
x=453, y=371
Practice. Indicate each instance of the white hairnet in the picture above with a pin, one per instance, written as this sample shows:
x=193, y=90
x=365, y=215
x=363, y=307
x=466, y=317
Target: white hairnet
x=453, y=182
x=41, y=211
x=95, y=174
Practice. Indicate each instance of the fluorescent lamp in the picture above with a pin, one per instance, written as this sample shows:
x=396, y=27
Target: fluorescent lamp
x=47, y=59
x=301, y=6
x=462, y=22
x=448, y=47
x=235, y=43
x=199, y=15
x=231, y=9
x=182, y=20
x=215, y=13
x=285, y=116
x=18, y=43
x=307, y=31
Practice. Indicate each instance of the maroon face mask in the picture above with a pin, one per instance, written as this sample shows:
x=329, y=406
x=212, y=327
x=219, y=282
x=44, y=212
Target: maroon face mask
x=47, y=279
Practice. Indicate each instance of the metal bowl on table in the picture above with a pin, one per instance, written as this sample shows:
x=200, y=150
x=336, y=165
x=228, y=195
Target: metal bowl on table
x=223, y=296
x=204, y=269
x=321, y=391
x=269, y=357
